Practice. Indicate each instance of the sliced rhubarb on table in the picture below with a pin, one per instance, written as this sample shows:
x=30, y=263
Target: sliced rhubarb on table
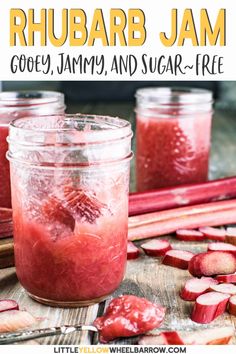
x=231, y=235
x=195, y=287
x=15, y=320
x=221, y=246
x=173, y=338
x=189, y=235
x=212, y=263
x=209, y=306
x=213, y=233
x=132, y=251
x=223, y=288
x=227, y=278
x=177, y=258
x=159, y=339
x=156, y=248
x=232, y=305
x=211, y=336
x=7, y=305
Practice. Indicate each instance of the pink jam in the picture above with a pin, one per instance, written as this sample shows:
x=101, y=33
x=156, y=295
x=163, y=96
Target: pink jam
x=175, y=152
x=128, y=316
x=173, y=137
x=81, y=264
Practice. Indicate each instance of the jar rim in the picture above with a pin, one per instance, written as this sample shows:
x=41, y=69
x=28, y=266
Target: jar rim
x=29, y=97
x=155, y=96
x=70, y=129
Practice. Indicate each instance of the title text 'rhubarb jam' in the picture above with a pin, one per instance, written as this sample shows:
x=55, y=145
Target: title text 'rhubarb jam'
x=70, y=179
x=21, y=104
x=173, y=136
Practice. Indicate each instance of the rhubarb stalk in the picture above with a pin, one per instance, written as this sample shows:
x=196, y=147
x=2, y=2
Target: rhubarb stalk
x=168, y=221
x=174, y=197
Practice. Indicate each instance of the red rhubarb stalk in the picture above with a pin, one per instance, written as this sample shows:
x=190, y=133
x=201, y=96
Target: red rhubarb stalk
x=164, y=215
x=164, y=222
x=174, y=197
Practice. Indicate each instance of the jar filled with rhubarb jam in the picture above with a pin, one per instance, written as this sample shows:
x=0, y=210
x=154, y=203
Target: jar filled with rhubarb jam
x=70, y=182
x=173, y=132
x=21, y=104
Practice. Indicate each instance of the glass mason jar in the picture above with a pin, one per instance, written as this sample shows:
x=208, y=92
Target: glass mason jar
x=172, y=137
x=70, y=181
x=21, y=104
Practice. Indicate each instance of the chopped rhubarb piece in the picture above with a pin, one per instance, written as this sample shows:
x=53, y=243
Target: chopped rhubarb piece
x=231, y=235
x=53, y=210
x=196, y=287
x=177, y=258
x=14, y=320
x=209, y=306
x=209, y=336
x=73, y=204
x=213, y=233
x=228, y=278
x=221, y=246
x=189, y=235
x=224, y=288
x=159, y=339
x=156, y=248
x=232, y=305
x=132, y=251
x=7, y=305
x=128, y=316
x=173, y=338
x=212, y=263
x=83, y=205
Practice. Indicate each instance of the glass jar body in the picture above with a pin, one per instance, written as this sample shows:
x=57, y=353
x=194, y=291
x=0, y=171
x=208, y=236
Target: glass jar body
x=173, y=145
x=15, y=105
x=70, y=221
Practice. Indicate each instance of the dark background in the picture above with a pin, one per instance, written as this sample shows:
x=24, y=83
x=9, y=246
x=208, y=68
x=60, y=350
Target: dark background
x=122, y=91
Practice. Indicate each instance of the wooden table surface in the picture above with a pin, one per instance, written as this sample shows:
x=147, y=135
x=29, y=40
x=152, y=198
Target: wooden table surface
x=146, y=276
